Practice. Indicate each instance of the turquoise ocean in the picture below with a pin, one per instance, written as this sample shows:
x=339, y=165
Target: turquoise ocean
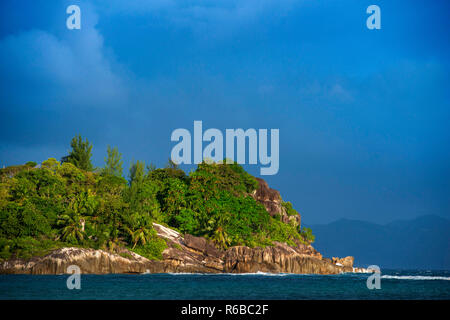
x=395, y=284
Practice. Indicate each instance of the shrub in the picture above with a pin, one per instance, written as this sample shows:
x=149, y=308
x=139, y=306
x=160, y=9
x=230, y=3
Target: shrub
x=153, y=249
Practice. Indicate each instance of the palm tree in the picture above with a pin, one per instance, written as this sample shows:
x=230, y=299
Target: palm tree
x=221, y=238
x=73, y=226
x=142, y=235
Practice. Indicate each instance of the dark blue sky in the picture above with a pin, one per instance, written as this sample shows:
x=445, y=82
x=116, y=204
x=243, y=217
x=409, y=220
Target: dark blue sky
x=363, y=114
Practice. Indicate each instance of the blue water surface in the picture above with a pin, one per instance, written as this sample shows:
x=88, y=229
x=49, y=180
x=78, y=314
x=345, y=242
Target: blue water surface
x=395, y=284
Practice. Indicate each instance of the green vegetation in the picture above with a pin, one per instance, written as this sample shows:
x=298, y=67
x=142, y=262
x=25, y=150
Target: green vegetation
x=289, y=209
x=70, y=204
x=307, y=235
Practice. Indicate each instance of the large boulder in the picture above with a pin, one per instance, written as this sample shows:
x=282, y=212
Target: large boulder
x=202, y=245
x=189, y=253
x=88, y=260
x=346, y=262
x=271, y=200
x=269, y=197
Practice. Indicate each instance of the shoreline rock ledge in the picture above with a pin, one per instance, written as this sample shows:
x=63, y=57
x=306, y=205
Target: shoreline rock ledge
x=187, y=254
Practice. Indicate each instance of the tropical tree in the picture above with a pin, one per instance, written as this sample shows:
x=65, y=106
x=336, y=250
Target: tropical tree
x=80, y=155
x=142, y=192
x=221, y=238
x=136, y=173
x=307, y=235
x=142, y=234
x=72, y=226
x=51, y=164
x=113, y=162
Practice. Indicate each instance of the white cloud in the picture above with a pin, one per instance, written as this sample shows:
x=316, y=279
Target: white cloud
x=49, y=70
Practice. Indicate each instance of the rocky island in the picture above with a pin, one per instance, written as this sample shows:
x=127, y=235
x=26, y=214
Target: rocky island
x=217, y=219
x=191, y=254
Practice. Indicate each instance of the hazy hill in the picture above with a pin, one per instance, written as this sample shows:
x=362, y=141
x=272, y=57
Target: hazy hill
x=422, y=243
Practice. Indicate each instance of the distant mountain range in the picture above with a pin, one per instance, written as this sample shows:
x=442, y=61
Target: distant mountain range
x=421, y=243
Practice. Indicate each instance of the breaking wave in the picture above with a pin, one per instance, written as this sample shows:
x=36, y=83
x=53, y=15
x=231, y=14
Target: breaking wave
x=415, y=277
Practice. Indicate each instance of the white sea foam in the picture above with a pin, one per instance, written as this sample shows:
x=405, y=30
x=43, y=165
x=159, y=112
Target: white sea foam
x=259, y=273
x=415, y=277
x=185, y=273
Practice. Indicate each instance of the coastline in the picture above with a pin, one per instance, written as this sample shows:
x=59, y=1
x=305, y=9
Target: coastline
x=186, y=254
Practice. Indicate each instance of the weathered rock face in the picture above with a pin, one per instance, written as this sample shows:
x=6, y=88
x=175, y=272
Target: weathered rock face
x=88, y=260
x=280, y=258
x=202, y=245
x=346, y=262
x=186, y=254
x=271, y=200
x=269, y=197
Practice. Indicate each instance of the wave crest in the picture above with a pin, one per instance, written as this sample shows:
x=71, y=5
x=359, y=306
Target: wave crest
x=415, y=277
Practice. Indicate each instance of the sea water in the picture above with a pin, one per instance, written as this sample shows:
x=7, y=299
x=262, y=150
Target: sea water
x=395, y=284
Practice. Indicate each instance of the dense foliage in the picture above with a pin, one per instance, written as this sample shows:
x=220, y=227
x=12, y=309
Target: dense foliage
x=52, y=205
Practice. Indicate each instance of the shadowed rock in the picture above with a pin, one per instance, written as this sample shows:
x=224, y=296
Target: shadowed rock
x=272, y=201
x=202, y=245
